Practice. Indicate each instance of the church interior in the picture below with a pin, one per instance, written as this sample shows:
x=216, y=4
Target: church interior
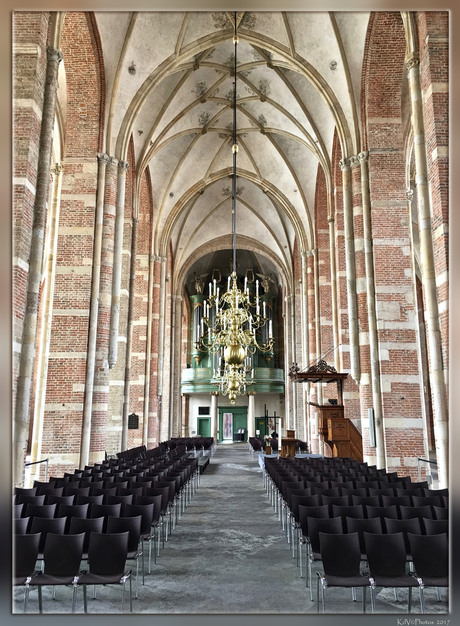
x=224, y=225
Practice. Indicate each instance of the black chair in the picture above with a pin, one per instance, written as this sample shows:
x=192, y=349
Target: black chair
x=85, y=525
x=147, y=512
x=52, y=499
x=17, y=510
x=126, y=499
x=99, y=499
x=49, y=491
x=360, y=526
x=404, y=526
x=107, y=554
x=386, y=556
x=62, y=559
x=398, y=500
x=21, y=525
x=441, y=513
x=133, y=525
x=105, y=510
x=164, y=513
x=70, y=489
x=24, y=559
x=409, y=491
x=316, y=525
x=105, y=491
x=436, y=492
x=416, y=511
x=157, y=522
x=365, y=500
x=40, y=510
x=25, y=498
x=356, y=510
x=435, y=526
x=73, y=510
x=431, y=500
x=382, y=511
x=44, y=525
x=24, y=491
x=389, y=491
x=430, y=555
x=341, y=557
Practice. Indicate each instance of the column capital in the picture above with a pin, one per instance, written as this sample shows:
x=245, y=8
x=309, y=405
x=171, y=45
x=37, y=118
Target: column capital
x=214, y=393
x=102, y=157
x=251, y=393
x=413, y=60
x=52, y=54
x=330, y=219
x=410, y=195
x=354, y=160
x=56, y=168
x=112, y=161
x=345, y=164
x=123, y=165
x=363, y=157
x=159, y=259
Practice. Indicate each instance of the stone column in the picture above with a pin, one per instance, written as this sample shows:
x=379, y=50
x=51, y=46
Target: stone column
x=175, y=367
x=437, y=380
x=27, y=357
x=305, y=340
x=47, y=315
x=372, y=314
x=353, y=328
x=186, y=415
x=161, y=337
x=148, y=353
x=103, y=160
x=291, y=314
x=251, y=414
x=214, y=415
x=335, y=311
x=117, y=263
x=129, y=338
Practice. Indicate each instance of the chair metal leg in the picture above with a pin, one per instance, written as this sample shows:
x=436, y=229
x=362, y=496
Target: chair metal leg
x=364, y=599
x=317, y=594
x=410, y=600
x=372, y=592
x=422, y=599
x=40, y=599
x=85, y=604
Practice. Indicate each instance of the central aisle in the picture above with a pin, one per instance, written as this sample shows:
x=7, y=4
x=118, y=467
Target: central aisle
x=228, y=553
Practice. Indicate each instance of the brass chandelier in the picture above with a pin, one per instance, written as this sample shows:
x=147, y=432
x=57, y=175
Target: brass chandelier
x=236, y=321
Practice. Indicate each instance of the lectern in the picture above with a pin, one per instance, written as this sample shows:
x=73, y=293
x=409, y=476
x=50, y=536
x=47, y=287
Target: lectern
x=288, y=444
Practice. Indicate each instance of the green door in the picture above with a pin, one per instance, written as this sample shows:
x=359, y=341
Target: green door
x=204, y=426
x=230, y=420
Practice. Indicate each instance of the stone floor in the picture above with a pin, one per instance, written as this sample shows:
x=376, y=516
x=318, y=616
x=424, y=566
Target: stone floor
x=228, y=556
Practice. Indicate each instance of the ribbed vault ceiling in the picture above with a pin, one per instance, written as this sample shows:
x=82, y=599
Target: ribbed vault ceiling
x=299, y=79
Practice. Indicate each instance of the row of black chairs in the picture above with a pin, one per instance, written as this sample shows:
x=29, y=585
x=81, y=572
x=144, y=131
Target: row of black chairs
x=109, y=497
x=343, y=493
x=63, y=558
x=341, y=557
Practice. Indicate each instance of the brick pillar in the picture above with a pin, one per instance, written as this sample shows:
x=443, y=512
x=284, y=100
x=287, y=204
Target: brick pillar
x=27, y=358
